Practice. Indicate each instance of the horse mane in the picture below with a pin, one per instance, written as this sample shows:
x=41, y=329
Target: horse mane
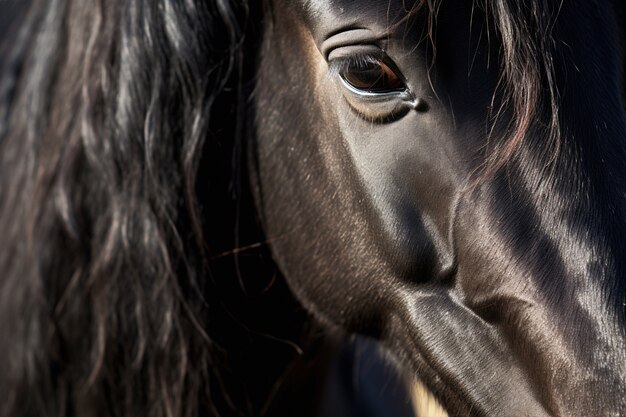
x=110, y=111
x=106, y=108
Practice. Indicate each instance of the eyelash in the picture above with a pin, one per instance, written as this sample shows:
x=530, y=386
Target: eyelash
x=339, y=65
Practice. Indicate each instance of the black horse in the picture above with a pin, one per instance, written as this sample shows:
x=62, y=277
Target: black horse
x=195, y=194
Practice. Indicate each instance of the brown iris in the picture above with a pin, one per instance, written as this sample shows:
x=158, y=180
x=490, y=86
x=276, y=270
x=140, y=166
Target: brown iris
x=373, y=77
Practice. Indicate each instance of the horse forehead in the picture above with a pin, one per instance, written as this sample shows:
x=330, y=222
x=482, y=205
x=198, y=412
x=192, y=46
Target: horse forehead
x=319, y=7
x=347, y=10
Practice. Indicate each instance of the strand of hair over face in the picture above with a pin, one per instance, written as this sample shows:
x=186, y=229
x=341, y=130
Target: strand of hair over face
x=527, y=74
x=526, y=88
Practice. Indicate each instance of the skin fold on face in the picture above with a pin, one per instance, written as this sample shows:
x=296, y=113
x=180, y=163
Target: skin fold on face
x=374, y=120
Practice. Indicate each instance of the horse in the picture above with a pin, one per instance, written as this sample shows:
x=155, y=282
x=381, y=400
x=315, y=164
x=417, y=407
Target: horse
x=199, y=197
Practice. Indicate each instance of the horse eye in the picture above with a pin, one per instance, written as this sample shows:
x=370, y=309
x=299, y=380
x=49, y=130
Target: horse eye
x=373, y=77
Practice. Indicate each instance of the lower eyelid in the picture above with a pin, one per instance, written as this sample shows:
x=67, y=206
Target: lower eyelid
x=378, y=109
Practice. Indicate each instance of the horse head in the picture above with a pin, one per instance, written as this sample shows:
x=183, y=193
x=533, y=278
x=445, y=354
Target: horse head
x=449, y=179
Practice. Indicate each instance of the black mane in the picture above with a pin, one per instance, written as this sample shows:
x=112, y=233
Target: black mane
x=114, y=115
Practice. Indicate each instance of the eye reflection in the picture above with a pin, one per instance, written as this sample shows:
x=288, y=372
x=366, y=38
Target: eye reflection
x=373, y=77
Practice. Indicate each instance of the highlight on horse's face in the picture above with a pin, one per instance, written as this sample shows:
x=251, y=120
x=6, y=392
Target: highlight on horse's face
x=502, y=288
